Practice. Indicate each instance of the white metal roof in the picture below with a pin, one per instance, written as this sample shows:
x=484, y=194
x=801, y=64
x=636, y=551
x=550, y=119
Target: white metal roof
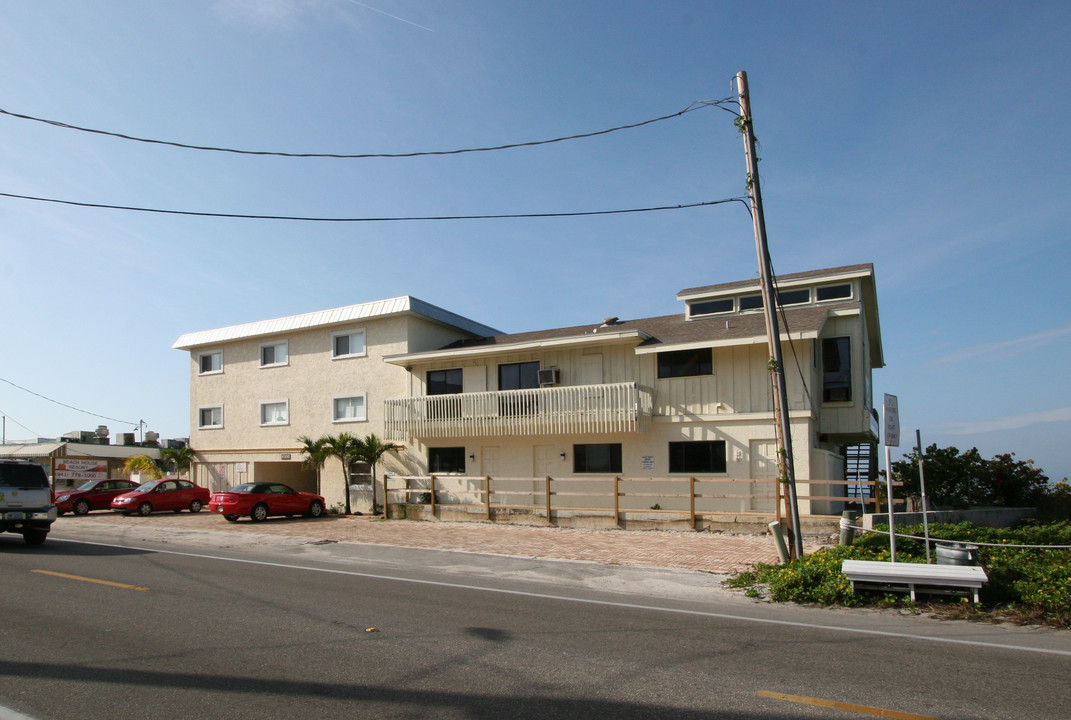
x=29, y=450
x=74, y=450
x=321, y=318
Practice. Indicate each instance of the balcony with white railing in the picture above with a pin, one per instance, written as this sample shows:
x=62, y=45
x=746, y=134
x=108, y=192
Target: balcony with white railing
x=572, y=410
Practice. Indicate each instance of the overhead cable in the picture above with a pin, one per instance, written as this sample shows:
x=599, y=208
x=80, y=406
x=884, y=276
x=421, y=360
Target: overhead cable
x=56, y=123
x=968, y=542
x=370, y=219
x=8, y=417
x=71, y=407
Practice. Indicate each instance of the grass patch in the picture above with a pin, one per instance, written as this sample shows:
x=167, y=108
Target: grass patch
x=1028, y=586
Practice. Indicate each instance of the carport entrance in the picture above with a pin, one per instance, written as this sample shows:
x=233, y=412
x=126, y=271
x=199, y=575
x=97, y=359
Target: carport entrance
x=293, y=474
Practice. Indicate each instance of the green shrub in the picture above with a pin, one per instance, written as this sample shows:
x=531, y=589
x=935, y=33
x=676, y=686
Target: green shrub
x=1036, y=582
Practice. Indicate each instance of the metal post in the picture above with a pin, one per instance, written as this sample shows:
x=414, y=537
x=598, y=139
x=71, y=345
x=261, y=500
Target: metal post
x=769, y=302
x=890, y=408
x=892, y=521
x=922, y=485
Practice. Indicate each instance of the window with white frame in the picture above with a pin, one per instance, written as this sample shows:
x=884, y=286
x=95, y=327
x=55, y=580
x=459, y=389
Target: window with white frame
x=276, y=412
x=348, y=344
x=836, y=369
x=209, y=417
x=349, y=408
x=209, y=363
x=274, y=354
x=834, y=292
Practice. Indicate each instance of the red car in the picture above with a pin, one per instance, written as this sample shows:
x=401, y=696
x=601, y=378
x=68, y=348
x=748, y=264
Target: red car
x=259, y=500
x=168, y=494
x=92, y=495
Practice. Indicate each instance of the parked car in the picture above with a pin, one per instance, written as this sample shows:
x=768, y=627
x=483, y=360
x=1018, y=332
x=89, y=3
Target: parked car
x=92, y=495
x=168, y=494
x=25, y=500
x=259, y=500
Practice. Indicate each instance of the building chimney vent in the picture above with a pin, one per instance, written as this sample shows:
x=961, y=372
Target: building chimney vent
x=610, y=321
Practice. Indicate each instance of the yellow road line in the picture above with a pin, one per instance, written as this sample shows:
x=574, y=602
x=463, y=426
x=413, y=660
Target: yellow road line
x=849, y=707
x=92, y=580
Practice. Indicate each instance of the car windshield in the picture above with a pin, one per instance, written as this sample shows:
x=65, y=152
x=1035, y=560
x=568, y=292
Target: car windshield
x=247, y=487
x=21, y=475
x=147, y=486
x=89, y=485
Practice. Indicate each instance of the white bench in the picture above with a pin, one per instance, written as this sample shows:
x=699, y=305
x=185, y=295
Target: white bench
x=926, y=578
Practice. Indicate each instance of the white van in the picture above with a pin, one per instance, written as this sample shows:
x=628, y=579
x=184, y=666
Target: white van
x=26, y=505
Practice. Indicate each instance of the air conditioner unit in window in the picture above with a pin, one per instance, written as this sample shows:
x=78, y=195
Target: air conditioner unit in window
x=549, y=376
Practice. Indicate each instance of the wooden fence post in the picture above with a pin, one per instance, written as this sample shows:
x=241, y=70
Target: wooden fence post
x=433, y=496
x=548, y=500
x=617, y=507
x=691, y=497
x=487, y=494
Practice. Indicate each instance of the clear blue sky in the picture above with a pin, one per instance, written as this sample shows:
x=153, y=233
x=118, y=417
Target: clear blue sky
x=930, y=139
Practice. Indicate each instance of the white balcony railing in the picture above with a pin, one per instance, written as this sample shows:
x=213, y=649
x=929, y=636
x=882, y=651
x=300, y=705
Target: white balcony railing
x=576, y=409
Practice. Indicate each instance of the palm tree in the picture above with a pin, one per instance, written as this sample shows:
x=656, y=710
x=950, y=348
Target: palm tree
x=371, y=450
x=344, y=447
x=316, y=450
x=143, y=465
x=180, y=459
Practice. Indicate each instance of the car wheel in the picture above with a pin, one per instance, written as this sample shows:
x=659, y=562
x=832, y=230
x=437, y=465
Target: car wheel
x=81, y=507
x=34, y=536
x=145, y=509
x=195, y=506
x=230, y=518
x=259, y=513
x=316, y=509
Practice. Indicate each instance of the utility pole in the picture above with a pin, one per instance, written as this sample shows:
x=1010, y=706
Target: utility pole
x=769, y=304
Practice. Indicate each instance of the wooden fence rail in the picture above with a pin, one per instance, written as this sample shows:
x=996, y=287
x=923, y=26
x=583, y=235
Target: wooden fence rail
x=690, y=496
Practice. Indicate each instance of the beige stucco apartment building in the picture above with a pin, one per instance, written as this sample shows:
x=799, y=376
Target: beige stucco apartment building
x=685, y=395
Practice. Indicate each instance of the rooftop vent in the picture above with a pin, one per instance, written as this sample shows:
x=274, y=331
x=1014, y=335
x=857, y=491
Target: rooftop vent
x=609, y=321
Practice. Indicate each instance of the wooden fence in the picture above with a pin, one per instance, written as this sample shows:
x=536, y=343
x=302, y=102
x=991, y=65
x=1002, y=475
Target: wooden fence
x=681, y=497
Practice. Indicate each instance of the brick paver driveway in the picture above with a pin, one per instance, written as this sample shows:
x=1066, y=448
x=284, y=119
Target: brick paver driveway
x=713, y=552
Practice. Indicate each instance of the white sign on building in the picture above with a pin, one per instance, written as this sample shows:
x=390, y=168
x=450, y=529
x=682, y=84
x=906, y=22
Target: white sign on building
x=70, y=470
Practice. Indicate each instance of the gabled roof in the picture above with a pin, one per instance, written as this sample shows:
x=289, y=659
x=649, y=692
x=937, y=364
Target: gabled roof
x=404, y=305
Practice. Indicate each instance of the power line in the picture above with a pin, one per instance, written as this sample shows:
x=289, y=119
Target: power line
x=699, y=104
x=71, y=407
x=370, y=219
x=6, y=415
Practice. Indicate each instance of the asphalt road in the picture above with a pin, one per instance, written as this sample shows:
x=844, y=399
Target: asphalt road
x=170, y=626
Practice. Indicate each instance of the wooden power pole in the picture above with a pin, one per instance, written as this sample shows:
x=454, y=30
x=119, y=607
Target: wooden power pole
x=769, y=304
